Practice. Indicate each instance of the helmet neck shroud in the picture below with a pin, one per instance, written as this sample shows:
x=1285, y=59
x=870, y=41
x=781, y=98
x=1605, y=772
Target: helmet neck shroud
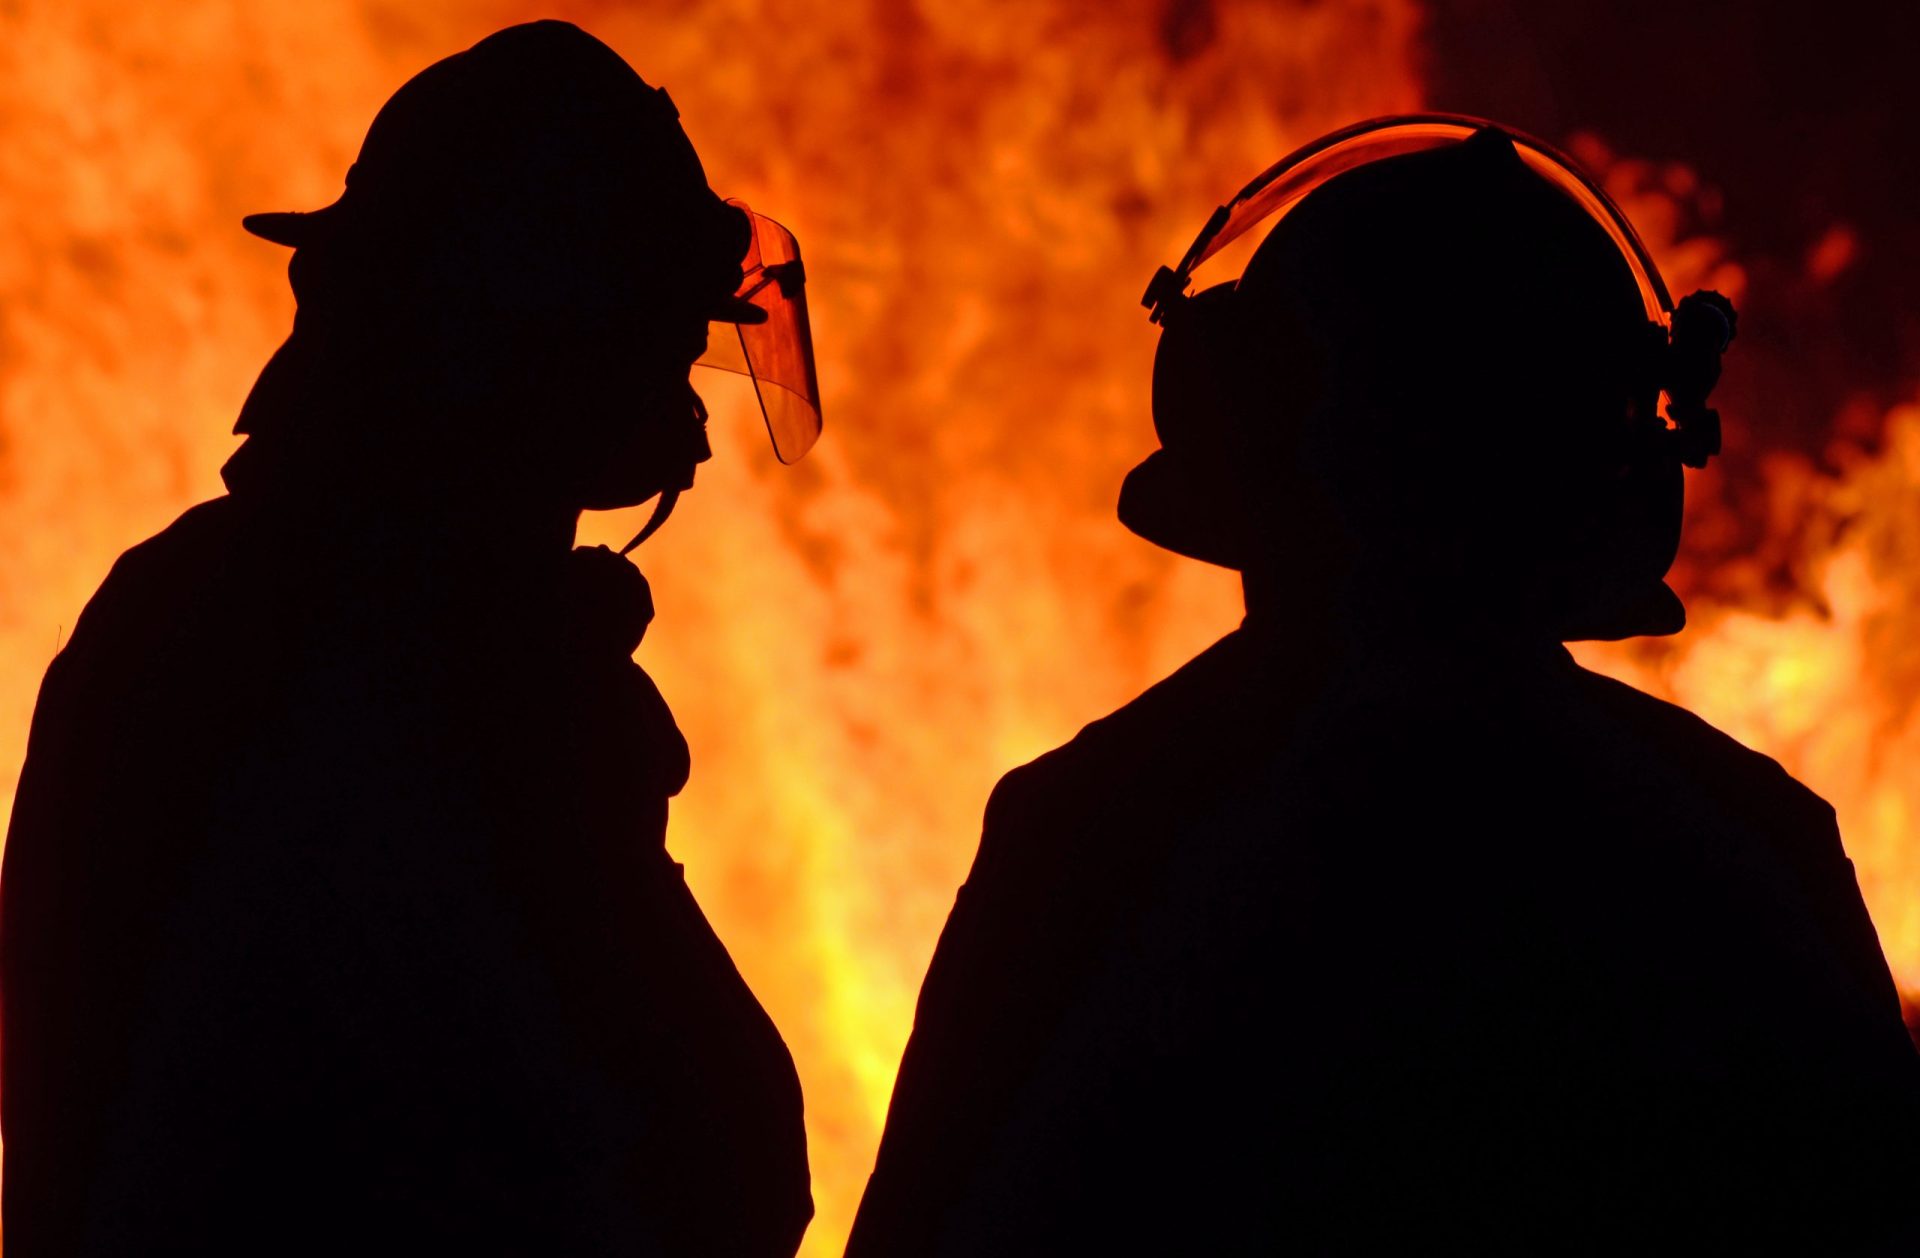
x=1433, y=395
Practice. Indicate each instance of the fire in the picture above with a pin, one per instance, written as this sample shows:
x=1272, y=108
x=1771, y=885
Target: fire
x=1826, y=683
x=856, y=647
x=859, y=646
x=1823, y=675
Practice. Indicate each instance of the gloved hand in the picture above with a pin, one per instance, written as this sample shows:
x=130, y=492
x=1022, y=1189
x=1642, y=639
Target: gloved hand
x=608, y=600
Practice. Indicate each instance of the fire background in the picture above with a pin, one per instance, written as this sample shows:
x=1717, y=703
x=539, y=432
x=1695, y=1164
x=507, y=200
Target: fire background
x=859, y=646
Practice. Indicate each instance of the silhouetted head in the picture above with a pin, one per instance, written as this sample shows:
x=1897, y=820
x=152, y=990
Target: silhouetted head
x=1434, y=385
x=506, y=300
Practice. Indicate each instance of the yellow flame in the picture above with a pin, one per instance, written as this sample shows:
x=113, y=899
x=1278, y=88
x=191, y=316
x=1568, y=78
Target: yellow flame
x=1828, y=685
x=856, y=647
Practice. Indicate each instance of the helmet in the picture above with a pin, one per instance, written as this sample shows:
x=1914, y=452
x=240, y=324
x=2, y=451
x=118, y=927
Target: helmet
x=540, y=150
x=1451, y=338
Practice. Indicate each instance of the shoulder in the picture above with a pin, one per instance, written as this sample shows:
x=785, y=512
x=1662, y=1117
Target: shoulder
x=195, y=536
x=1682, y=744
x=1153, y=726
x=1132, y=760
x=150, y=589
x=172, y=566
x=208, y=522
x=1781, y=829
x=1736, y=808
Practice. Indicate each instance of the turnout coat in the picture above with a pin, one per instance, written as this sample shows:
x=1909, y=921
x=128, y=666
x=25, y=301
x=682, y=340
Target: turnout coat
x=1426, y=945
x=337, y=917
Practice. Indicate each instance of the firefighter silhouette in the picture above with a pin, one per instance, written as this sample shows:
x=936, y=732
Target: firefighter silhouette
x=1381, y=926
x=337, y=913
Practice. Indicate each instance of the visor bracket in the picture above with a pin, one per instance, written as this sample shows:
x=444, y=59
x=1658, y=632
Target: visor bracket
x=1167, y=288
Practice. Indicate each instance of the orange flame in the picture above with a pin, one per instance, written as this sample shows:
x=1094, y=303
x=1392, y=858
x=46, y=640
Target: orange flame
x=1826, y=684
x=856, y=647
x=1826, y=679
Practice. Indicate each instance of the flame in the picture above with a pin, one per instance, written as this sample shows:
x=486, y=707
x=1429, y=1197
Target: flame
x=859, y=646
x=856, y=647
x=1822, y=676
x=1826, y=683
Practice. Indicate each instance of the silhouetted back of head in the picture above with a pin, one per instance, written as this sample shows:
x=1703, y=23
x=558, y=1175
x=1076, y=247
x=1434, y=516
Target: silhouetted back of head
x=1424, y=386
x=1476, y=329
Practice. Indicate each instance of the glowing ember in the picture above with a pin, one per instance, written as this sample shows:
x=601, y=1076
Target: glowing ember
x=859, y=646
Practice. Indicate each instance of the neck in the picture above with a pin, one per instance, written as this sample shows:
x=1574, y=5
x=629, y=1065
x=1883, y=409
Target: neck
x=355, y=504
x=1352, y=617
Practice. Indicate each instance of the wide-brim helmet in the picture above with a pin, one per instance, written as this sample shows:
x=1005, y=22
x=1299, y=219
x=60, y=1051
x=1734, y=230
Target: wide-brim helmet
x=537, y=173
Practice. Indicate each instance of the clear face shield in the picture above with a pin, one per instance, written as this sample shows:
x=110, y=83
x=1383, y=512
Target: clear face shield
x=767, y=338
x=774, y=349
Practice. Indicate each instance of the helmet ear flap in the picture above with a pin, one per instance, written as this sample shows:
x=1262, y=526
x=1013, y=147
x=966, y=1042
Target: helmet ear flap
x=1226, y=468
x=1634, y=532
x=1195, y=370
x=1175, y=499
x=1630, y=547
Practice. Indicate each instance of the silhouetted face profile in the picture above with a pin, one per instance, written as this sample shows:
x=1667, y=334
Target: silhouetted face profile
x=505, y=303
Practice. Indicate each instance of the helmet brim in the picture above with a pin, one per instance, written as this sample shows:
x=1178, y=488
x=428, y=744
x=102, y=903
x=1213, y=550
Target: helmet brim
x=296, y=229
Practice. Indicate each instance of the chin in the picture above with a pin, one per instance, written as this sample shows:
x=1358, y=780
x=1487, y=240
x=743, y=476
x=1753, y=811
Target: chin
x=617, y=495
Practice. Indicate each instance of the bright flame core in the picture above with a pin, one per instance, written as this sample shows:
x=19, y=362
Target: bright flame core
x=856, y=647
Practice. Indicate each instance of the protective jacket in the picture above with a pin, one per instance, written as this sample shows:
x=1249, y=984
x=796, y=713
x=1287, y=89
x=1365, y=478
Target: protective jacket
x=1378, y=949
x=337, y=917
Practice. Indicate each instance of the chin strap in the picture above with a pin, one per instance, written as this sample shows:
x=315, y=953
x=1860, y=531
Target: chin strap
x=661, y=510
x=669, y=498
